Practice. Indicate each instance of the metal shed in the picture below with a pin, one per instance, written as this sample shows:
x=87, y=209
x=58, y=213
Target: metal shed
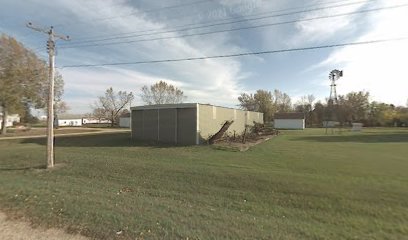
x=186, y=123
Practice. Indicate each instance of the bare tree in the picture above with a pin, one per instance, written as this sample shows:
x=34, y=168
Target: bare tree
x=112, y=104
x=282, y=101
x=305, y=105
x=61, y=107
x=162, y=93
x=310, y=100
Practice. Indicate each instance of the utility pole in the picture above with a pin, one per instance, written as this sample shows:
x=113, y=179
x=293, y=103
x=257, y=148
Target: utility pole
x=50, y=116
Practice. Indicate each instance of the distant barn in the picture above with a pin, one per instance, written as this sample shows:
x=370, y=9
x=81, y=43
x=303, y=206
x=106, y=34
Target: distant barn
x=187, y=123
x=289, y=120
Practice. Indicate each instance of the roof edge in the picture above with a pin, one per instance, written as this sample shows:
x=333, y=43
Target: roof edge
x=181, y=105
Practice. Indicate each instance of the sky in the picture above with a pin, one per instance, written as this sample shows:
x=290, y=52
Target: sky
x=110, y=31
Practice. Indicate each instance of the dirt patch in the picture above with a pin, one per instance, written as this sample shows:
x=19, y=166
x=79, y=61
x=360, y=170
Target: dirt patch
x=239, y=146
x=18, y=230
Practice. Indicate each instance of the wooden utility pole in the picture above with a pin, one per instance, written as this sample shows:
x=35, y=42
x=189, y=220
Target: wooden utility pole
x=51, y=74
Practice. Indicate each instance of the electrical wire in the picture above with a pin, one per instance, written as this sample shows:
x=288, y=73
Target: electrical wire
x=220, y=20
x=239, y=54
x=217, y=24
x=238, y=29
x=146, y=11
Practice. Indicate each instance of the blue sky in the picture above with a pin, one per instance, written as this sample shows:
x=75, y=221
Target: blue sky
x=378, y=68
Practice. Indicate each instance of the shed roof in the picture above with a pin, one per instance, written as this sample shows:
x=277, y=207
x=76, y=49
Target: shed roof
x=289, y=115
x=162, y=106
x=179, y=105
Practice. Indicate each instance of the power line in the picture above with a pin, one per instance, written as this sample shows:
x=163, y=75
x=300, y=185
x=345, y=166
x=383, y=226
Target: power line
x=239, y=54
x=146, y=11
x=237, y=29
x=219, y=24
x=221, y=20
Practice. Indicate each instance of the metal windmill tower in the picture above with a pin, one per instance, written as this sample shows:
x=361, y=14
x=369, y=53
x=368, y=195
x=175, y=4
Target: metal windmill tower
x=334, y=76
x=332, y=101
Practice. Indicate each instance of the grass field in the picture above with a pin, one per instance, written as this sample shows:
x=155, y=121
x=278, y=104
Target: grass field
x=299, y=185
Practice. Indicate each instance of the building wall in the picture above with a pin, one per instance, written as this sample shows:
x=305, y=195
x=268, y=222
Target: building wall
x=211, y=119
x=137, y=124
x=167, y=125
x=150, y=125
x=12, y=118
x=124, y=122
x=289, y=123
x=95, y=121
x=70, y=122
x=187, y=124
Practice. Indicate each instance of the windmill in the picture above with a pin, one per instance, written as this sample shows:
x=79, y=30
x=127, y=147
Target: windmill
x=332, y=102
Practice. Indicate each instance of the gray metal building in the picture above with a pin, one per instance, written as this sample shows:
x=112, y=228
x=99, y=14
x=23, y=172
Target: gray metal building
x=186, y=123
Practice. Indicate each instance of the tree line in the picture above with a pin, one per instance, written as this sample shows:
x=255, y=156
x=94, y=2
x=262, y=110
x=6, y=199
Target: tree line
x=24, y=85
x=349, y=108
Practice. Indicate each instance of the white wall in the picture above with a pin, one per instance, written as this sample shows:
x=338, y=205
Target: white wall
x=10, y=120
x=124, y=122
x=289, y=123
x=70, y=122
x=94, y=120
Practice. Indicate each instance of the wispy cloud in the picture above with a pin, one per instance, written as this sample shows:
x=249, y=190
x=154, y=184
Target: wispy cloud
x=316, y=31
x=379, y=69
x=211, y=81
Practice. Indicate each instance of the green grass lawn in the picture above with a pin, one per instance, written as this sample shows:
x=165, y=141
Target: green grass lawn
x=299, y=185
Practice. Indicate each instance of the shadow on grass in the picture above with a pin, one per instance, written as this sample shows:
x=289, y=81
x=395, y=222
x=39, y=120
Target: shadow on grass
x=40, y=167
x=99, y=140
x=363, y=138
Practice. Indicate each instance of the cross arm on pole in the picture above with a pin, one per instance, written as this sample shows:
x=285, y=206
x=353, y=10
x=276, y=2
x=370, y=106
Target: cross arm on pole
x=38, y=29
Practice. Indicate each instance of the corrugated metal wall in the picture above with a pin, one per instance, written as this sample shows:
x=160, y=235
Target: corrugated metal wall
x=172, y=125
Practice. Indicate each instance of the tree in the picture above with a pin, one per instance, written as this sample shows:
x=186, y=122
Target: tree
x=58, y=92
x=318, y=113
x=23, y=78
x=282, y=102
x=61, y=107
x=305, y=106
x=358, y=105
x=261, y=101
x=162, y=93
x=112, y=104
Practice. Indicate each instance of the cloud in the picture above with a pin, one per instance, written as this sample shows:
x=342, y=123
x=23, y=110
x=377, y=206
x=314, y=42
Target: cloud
x=215, y=81
x=378, y=68
x=325, y=29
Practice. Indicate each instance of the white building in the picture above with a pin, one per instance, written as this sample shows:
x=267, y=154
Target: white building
x=77, y=120
x=89, y=120
x=124, y=121
x=12, y=118
x=69, y=120
x=289, y=120
x=73, y=122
